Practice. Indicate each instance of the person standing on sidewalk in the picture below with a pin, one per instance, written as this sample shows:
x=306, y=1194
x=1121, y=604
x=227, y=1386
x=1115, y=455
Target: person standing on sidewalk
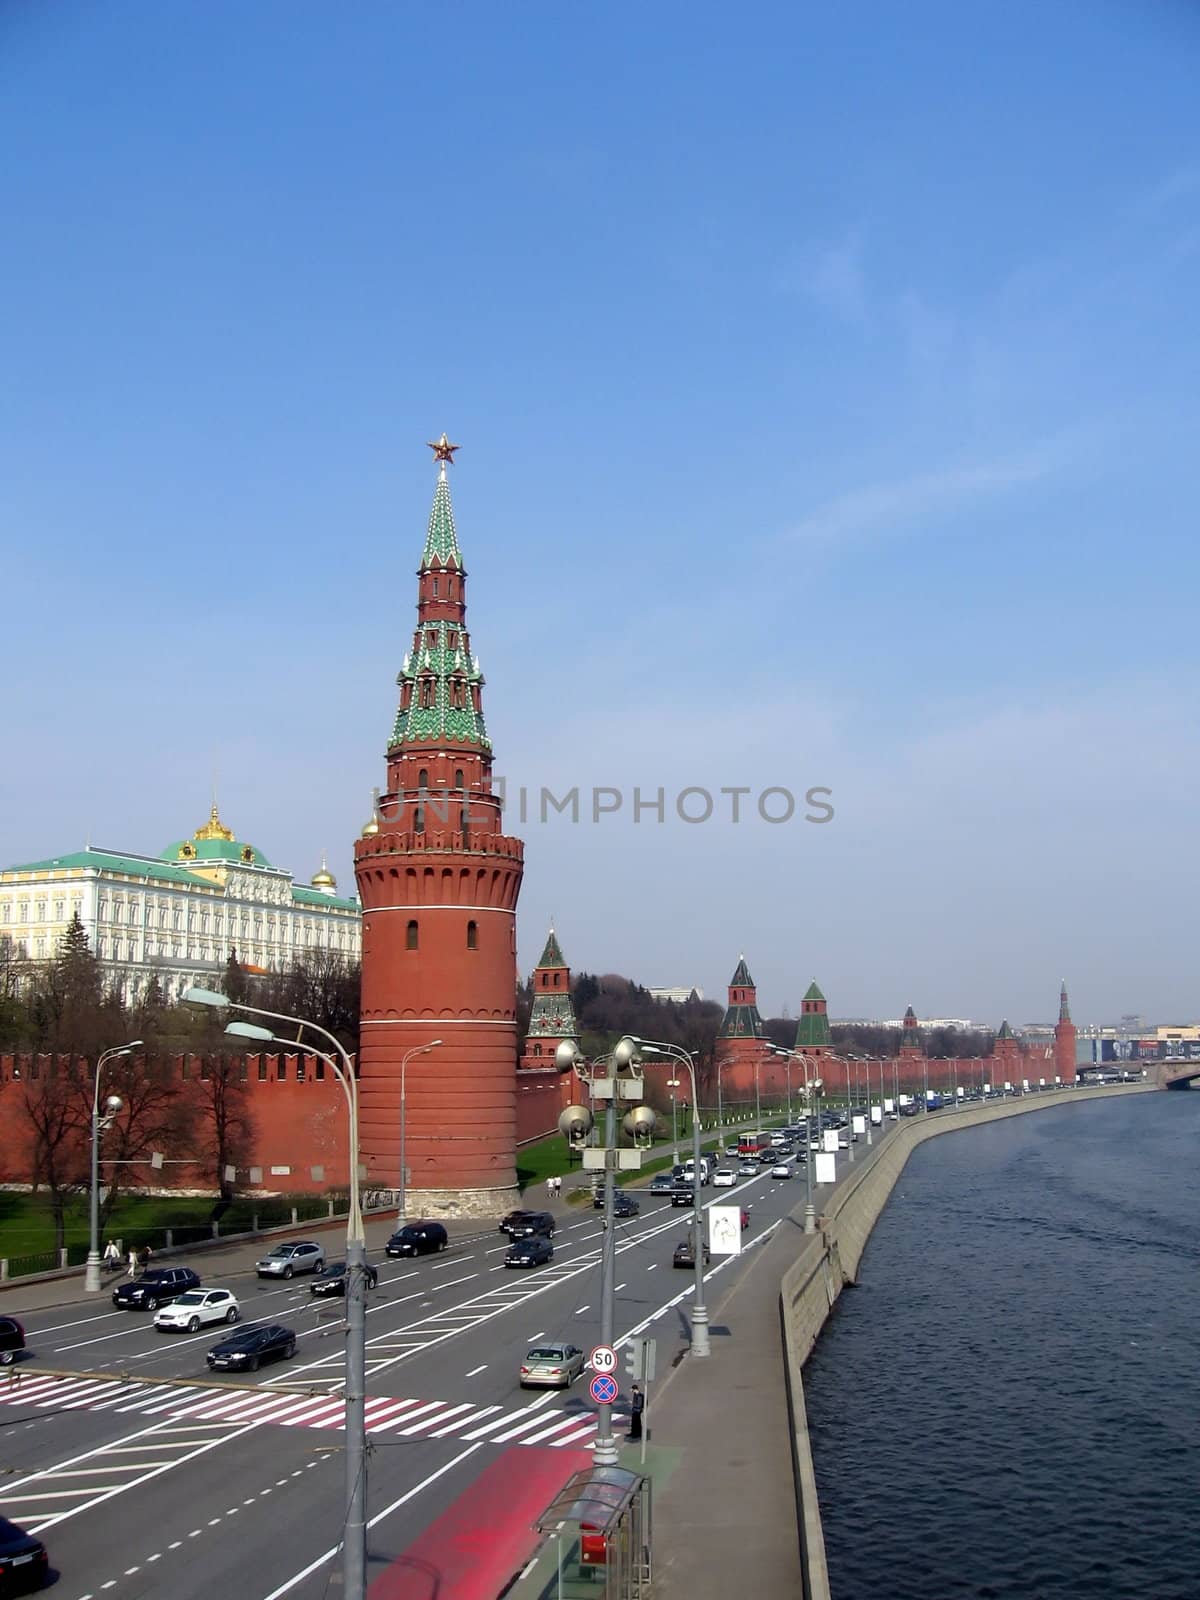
x=637, y=1404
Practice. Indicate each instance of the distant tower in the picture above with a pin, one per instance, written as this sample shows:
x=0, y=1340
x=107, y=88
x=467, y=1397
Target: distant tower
x=1008, y=1061
x=1064, y=1039
x=439, y=880
x=741, y=1043
x=553, y=1016
x=812, y=1033
x=910, y=1038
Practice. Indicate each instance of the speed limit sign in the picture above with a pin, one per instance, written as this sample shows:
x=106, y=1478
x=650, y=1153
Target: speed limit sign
x=604, y=1358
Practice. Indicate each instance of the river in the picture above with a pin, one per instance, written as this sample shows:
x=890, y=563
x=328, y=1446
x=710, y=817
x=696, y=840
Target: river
x=1008, y=1402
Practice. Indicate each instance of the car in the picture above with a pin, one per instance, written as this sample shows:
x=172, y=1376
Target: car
x=748, y=1169
x=551, y=1366
x=662, y=1183
x=533, y=1251
x=532, y=1223
x=156, y=1287
x=732, y=1150
x=781, y=1170
x=765, y=1157
x=24, y=1565
x=288, y=1259
x=417, y=1239
x=684, y=1256
x=332, y=1278
x=198, y=1306
x=683, y=1193
x=745, y=1218
x=724, y=1178
x=514, y=1219
x=248, y=1348
x=778, y=1139
x=624, y=1205
x=12, y=1340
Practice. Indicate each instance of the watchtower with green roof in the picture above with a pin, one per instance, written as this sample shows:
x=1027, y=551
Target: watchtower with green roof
x=742, y=1020
x=910, y=1035
x=552, y=1018
x=812, y=1031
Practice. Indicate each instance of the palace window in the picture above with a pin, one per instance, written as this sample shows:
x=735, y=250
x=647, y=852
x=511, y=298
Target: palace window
x=472, y=936
x=41, y=911
x=411, y=936
x=58, y=910
x=24, y=917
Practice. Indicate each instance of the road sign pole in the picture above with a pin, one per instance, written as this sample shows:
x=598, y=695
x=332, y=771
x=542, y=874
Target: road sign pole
x=606, y=1452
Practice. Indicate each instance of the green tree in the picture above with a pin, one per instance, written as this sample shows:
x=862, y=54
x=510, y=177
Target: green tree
x=236, y=982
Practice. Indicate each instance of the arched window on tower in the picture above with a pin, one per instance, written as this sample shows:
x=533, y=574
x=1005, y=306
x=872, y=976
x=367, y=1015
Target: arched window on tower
x=435, y=587
x=472, y=936
x=410, y=942
x=458, y=778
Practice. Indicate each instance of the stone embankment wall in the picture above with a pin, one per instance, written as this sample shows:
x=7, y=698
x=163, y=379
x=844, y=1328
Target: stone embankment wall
x=829, y=1259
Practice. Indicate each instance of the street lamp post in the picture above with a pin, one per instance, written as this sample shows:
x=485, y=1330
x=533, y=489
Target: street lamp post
x=849, y=1115
x=417, y=1050
x=700, y=1345
x=673, y=1084
x=354, y=1530
x=112, y=1105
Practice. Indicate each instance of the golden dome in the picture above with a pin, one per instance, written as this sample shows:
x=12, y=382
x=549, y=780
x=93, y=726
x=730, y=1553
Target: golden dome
x=371, y=827
x=324, y=879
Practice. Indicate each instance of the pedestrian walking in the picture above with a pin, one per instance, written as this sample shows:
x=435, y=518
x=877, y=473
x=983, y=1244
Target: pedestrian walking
x=549, y=1188
x=112, y=1256
x=637, y=1404
x=133, y=1263
x=557, y=1187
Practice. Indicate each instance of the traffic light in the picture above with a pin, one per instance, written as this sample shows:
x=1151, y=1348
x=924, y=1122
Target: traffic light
x=634, y=1361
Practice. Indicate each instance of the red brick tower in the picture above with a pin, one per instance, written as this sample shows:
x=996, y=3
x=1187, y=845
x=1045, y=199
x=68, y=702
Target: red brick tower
x=741, y=1043
x=439, y=880
x=553, y=1016
x=911, y=1052
x=1064, y=1039
x=1008, y=1059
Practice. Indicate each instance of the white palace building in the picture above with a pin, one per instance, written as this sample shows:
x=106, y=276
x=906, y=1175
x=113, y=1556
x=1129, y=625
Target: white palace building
x=179, y=914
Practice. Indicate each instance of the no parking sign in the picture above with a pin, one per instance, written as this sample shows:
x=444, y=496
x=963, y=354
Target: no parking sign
x=603, y=1389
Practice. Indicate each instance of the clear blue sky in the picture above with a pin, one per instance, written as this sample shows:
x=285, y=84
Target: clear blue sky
x=826, y=378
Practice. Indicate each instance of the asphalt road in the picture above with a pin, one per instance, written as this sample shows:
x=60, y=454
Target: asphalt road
x=147, y=1478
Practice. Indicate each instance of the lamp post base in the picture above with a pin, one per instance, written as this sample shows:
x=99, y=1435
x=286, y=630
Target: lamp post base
x=810, y=1218
x=700, y=1345
x=91, y=1276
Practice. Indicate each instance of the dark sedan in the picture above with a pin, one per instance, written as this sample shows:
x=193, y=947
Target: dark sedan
x=332, y=1278
x=624, y=1205
x=157, y=1287
x=662, y=1183
x=12, y=1340
x=417, y=1239
x=531, y=1252
x=246, y=1350
x=685, y=1256
x=23, y=1563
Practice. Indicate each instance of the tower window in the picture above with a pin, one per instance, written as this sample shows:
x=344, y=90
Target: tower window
x=435, y=588
x=458, y=778
x=472, y=936
x=423, y=779
x=411, y=937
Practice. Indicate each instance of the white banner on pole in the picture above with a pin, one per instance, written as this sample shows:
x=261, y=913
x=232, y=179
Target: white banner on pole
x=829, y=1141
x=725, y=1230
x=825, y=1167
x=876, y=1115
x=860, y=1124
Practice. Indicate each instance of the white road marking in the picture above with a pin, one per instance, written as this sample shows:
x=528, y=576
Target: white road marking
x=475, y=1371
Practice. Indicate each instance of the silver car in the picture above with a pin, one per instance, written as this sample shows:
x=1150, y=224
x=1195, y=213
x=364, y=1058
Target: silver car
x=551, y=1366
x=288, y=1259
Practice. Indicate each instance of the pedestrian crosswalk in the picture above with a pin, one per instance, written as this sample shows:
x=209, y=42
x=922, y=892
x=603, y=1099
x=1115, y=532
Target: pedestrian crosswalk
x=570, y=1422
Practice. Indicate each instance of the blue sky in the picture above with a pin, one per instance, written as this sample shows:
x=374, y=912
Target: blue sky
x=826, y=384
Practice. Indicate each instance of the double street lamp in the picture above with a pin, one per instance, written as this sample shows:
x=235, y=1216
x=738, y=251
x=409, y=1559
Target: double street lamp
x=812, y=1087
x=112, y=1106
x=354, y=1537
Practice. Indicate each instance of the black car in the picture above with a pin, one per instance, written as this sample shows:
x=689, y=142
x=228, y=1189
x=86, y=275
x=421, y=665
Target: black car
x=332, y=1278
x=624, y=1205
x=685, y=1256
x=534, y=1251
x=662, y=1183
x=157, y=1287
x=23, y=1563
x=682, y=1194
x=12, y=1339
x=527, y=1224
x=247, y=1349
x=417, y=1239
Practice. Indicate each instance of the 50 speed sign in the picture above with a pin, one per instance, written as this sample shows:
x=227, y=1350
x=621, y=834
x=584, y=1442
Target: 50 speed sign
x=604, y=1358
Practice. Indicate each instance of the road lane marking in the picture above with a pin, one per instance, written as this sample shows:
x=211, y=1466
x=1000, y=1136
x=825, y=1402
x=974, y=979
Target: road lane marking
x=475, y=1371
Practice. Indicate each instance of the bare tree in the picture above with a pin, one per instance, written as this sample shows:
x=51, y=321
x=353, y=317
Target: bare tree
x=57, y=1119
x=228, y=1130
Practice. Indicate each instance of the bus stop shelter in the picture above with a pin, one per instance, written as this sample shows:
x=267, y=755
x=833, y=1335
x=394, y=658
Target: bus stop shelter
x=599, y=1527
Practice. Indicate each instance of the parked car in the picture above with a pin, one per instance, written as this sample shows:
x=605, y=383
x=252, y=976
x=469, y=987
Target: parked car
x=156, y=1287
x=724, y=1178
x=417, y=1239
x=534, y=1251
x=781, y=1170
x=684, y=1255
x=288, y=1259
x=12, y=1340
x=551, y=1366
x=247, y=1349
x=332, y=1278
x=532, y=1223
x=23, y=1562
x=198, y=1306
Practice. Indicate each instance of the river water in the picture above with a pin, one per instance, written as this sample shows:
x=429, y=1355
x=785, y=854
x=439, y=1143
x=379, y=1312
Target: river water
x=1008, y=1402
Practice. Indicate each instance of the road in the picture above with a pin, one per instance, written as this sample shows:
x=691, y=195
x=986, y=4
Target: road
x=145, y=1478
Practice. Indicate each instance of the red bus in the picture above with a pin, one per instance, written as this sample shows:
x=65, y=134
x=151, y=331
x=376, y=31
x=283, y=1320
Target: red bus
x=750, y=1144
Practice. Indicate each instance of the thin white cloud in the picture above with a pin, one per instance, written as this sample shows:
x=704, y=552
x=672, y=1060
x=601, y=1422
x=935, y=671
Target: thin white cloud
x=833, y=276
x=880, y=509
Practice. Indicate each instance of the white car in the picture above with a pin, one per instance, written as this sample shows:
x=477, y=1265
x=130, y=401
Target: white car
x=781, y=1171
x=198, y=1306
x=724, y=1178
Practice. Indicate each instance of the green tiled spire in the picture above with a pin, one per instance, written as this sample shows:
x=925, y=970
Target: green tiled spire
x=812, y=1031
x=742, y=1020
x=741, y=976
x=444, y=690
x=441, y=541
x=813, y=993
x=1005, y=1031
x=552, y=955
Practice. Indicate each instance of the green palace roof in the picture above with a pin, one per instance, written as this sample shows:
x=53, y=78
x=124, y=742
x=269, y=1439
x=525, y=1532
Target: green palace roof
x=109, y=861
x=317, y=897
x=215, y=842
